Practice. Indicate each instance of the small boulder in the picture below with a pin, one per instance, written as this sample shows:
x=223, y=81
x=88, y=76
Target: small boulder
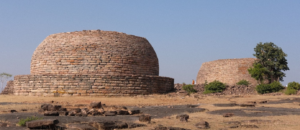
x=53, y=107
x=45, y=106
x=202, y=125
x=3, y=124
x=12, y=111
x=62, y=113
x=51, y=113
x=183, y=117
x=132, y=112
x=110, y=113
x=122, y=112
x=95, y=105
x=145, y=118
x=36, y=124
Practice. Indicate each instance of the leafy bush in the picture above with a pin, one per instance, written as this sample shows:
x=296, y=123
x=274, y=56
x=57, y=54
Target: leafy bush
x=243, y=82
x=276, y=86
x=292, y=88
x=263, y=88
x=213, y=87
x=22, y=122
x=294, y=85
x=269, y=88
x=189, y=88
x=290, y=91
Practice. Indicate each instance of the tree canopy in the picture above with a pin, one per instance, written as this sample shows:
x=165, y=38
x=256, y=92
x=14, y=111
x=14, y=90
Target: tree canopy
x=270, y=63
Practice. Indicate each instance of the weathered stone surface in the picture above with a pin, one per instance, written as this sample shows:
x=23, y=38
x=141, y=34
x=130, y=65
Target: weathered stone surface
x=122, y=112
x=202, y=125
x=110, y=113
x=51, y=113
x=229, y=71
x=93, y=63
x=9, y=88
x=183, y=117
x=134, y=111
x=145, y=118
x=3, y=124
x=108, y=125
x=95, y=105
x=40, y=123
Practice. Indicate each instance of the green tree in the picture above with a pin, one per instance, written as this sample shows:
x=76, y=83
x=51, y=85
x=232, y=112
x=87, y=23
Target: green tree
x=257, y=72
x=272, y=59
x=4, y=78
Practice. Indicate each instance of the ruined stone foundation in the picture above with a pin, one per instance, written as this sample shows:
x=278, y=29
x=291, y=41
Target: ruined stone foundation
x=93, y=63
x=9, y=89
x=228, y=71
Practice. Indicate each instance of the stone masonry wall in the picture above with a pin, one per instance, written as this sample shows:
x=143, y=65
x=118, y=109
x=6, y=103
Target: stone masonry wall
x=94, y=52
x=229, y=71
x=90, y=85
x=9, y=89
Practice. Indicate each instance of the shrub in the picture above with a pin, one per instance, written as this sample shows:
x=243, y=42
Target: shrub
x=294, y=85
x=276, y=86
x=22, y=122
x=189, y=88
x=269, y=88
x=290, y=91
x=263, y=88
x=213, y=87
x=243, y=82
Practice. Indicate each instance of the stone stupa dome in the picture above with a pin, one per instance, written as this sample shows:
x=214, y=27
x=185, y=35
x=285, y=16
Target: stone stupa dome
x=93, y=63
x=94, y=52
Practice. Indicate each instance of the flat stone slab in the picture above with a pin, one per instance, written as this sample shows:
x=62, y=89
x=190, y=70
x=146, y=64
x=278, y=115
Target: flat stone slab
x=258, y=111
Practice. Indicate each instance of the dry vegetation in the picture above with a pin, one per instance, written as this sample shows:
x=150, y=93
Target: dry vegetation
x=286, y=122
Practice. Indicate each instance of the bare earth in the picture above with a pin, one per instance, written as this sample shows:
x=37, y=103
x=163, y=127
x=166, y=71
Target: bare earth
x=279, y=113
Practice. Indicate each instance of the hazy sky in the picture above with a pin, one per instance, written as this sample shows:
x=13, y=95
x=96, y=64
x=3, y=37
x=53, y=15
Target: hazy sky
x=184, y=33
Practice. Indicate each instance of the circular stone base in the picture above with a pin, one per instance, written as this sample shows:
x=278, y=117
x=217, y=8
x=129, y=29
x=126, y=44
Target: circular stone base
x=90, y=85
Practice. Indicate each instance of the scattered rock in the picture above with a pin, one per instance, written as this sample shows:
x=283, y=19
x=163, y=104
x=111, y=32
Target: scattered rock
x=51, y=113
x=23, y=109
x=202, y=125
x=122, y=112
x=134, y=125
x=132, y=112
x=36, y=124
x=264, y=101
x=109, y=125
x=183, y=117
x=95, y=105
x=54, y=107
x=145, y=118
x=12, y=111
x=3, y=124
x=228, y=115
x=160, y=127
x=110, y=113
x=63, y=113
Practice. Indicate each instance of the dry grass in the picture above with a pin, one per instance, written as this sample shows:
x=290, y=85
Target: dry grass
x=216, y=122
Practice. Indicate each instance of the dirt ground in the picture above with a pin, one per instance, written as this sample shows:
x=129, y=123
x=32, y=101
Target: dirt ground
x=280, y=112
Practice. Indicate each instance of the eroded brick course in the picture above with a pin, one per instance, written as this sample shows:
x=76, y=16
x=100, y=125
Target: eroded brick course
x=93, y=63
x=229, y=71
